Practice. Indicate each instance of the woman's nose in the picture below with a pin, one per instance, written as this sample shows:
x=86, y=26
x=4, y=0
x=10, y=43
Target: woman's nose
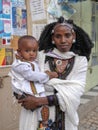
x=63, y=40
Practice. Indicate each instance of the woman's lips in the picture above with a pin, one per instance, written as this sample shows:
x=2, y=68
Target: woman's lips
x=64, y=46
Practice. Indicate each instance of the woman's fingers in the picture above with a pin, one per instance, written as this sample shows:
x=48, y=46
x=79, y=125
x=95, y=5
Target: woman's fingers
x=29, y=102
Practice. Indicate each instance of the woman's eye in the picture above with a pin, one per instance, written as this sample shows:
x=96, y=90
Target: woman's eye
x=57, y=36
x=67, y=35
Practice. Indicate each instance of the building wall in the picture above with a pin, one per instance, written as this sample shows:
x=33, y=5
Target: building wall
x=83, y=18
x=9, y=108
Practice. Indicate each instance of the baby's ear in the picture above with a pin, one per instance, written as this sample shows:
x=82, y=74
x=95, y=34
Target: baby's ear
x=18, y=50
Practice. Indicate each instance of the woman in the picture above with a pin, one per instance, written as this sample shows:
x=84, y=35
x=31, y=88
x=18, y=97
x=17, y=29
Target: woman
x=64, y=48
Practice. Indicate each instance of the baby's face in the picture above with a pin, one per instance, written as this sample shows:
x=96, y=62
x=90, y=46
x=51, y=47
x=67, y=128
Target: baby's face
x=29, y=50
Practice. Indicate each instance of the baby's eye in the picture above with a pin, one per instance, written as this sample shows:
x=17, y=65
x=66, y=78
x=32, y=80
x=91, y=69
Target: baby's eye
x=27, y=50
x=34, y=50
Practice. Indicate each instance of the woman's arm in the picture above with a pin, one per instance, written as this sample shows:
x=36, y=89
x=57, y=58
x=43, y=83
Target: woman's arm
x=32, y=102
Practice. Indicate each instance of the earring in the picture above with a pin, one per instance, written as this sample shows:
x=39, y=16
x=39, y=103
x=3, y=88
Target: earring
x=74, y=41
x=53, y=42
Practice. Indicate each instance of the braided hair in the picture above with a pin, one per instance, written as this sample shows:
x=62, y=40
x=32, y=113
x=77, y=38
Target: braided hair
x=82, y=46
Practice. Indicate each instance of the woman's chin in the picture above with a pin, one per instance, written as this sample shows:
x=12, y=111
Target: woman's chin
x=64, y=49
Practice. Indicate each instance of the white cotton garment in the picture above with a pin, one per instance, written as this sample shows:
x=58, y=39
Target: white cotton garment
x=22, y=73
x=69, y=91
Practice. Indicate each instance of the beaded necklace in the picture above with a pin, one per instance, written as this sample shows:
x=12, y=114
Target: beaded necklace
x=68, y=66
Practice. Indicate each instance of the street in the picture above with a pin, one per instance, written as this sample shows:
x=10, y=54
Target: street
x=90, y=122
x=88, y=111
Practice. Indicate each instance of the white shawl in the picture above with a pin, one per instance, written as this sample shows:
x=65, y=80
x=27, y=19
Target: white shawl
x=69, y=90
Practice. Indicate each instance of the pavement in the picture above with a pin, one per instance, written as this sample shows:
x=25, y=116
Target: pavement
x=88, y=110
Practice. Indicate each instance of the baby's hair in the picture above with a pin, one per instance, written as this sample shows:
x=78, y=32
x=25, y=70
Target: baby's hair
x=82, y=46
x=23, y=38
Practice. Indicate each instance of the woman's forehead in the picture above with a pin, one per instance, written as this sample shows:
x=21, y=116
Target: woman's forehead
x=63, y=24
x=63, y=29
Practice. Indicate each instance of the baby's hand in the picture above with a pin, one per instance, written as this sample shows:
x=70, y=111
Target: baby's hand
x=51, y=74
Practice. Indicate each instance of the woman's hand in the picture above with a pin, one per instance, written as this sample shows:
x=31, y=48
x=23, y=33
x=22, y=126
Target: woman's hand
x=32, y=102
x=29, y=102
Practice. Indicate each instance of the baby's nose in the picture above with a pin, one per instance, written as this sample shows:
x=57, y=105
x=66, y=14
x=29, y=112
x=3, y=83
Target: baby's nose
x=31, y=52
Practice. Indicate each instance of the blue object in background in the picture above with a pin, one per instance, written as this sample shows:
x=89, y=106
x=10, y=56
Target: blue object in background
x=6, y=9
x=69, y=1
x=14, y=17
x=1, y=28
x=0, y=8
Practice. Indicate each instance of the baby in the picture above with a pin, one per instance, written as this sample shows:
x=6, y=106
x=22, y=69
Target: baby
x=25, y=73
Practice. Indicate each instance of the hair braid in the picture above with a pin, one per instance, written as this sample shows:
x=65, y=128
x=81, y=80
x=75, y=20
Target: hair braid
x=83, y=43
x=45, y=40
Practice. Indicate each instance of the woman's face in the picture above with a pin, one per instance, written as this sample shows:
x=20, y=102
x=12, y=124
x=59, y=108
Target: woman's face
x=63, y=38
